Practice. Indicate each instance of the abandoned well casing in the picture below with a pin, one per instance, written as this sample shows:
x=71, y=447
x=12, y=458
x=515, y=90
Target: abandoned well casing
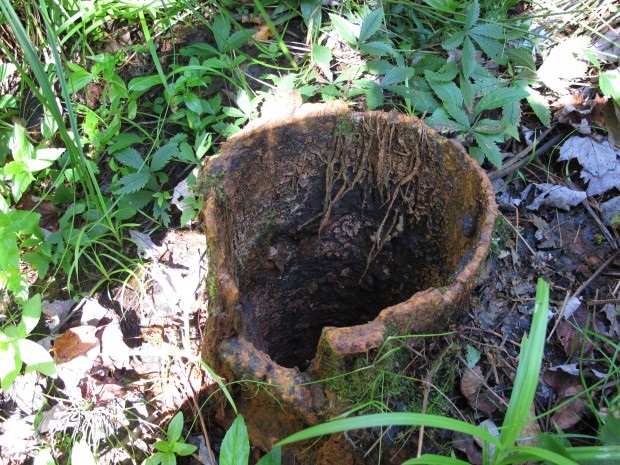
x=325, y=231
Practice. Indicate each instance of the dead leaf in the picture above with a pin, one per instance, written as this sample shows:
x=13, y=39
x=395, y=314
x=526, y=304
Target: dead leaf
x=471, y=381
x=47, y=210
x=556, y=196
x=600, y=162
x=113, y=347
x=100, y=392
x=610, y=210
x=465, y=443
x=611, y=118
x=75, y=342
x=530, y=430
x=568, y=415
x=262, y=33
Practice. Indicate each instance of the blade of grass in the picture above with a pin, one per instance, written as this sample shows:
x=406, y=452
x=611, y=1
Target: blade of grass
x=272, y=27
x=390, y=419
x=528, y=372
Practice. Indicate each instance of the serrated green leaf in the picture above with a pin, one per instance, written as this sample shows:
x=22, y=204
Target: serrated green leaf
x=457, y=114
x=488, y=145
x=443, y=5
x=422, y=101
x=499, y=97
x=175, y=428
x=162, y=156
x=397, y=75
x=36, y=357
x=370, y=24
x=31, y=312
x=374, y=95
x=454, y=40
x=193, y=102
x=345, y=29
x=441, y=121
x=468, y=94
x=490, y=30
x=447, y=92
x=472, y=355
x=235, y=449
x=133, y=182
x=38, y=262
x=491, y=47
x=489, y=126
x=377, y=48
x=511, y=119
x=123, y=141
x=473, y=14
x=273, y=457
x=322, y=57
x=539, y=105
x=130, y=157
x=522, y=57
x=446, y=73
x=468, y=59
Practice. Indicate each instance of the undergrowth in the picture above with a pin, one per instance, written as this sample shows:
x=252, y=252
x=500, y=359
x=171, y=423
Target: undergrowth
x=107, y=112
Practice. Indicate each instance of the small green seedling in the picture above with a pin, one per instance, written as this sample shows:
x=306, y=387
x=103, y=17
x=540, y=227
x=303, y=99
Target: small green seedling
x=167, y=450
x=16, y=349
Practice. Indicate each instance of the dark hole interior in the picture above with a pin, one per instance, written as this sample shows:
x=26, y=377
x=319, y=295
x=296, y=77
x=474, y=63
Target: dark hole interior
x=304, y=280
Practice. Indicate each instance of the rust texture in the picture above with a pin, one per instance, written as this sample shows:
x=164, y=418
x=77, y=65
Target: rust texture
x=326, y=231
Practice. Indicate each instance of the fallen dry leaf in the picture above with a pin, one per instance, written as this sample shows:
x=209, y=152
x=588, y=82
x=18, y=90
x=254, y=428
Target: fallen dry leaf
x=75, y=342
x=600, y=162
x=568, y=415
x=471, y=381
x=465, y=443
x=262, y=33
x=47, y=210
x=611, y=117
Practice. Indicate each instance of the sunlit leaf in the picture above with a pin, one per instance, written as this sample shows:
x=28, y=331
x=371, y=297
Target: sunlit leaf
x=235, y=448
x=36, y=357
x=370, y=24
x=175, y=428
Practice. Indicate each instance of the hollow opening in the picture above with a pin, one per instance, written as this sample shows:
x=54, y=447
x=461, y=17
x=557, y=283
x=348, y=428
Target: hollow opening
x=331, y=220
x=311, y=279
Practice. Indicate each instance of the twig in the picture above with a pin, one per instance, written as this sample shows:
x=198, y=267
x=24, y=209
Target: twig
x=580, y=289
x=525, y=156
x=596, y=273
x=612, y=241
x=427, y=388
x=203, y=426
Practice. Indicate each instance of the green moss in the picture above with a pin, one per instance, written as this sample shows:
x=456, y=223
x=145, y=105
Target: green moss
x=503, y=233
x=372, y=382
x=209, y=181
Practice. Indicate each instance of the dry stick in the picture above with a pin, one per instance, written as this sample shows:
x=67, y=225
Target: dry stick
x=525, y=156
x=203, y=426
x=582, y=287
x=596, y=218
x=424, y=407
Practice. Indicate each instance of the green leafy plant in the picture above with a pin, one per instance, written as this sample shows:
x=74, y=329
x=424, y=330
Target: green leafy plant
x=502, y=450
x=16, y=349
x=236, y=447
x=21, y=238
x=173, y=445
